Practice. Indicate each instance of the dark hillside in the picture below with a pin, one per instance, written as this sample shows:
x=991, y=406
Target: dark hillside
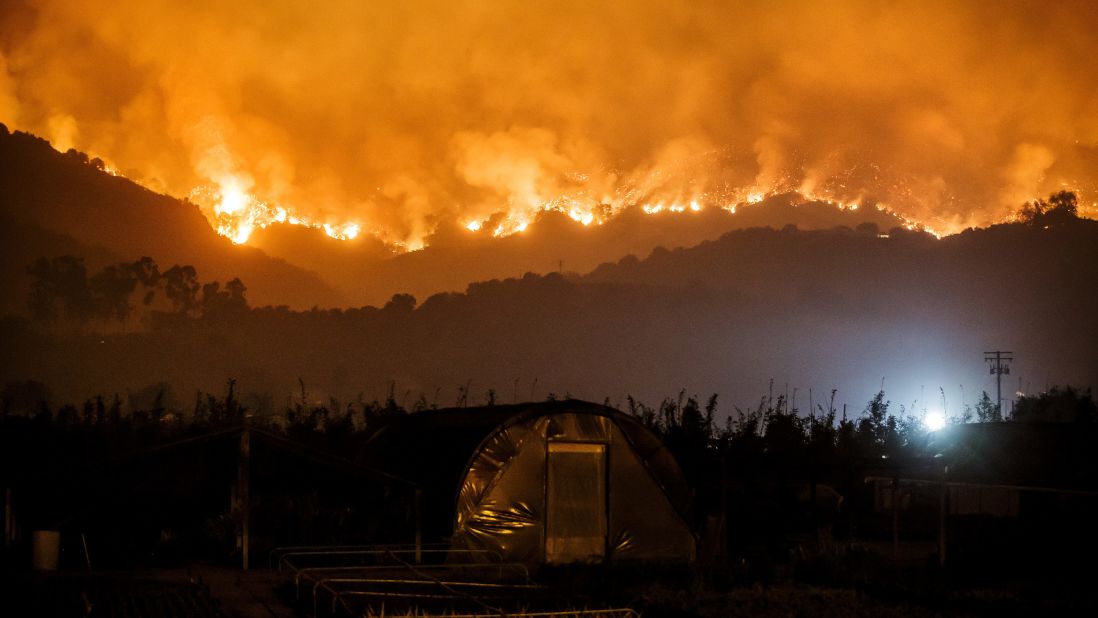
x=47, y=193
x=454, y=257
x=811, y=309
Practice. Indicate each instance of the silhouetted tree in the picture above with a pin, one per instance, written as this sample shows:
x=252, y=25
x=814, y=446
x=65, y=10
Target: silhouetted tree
x=148, y=275
x=181, y=288
x=1062, y=405
x=877, y=431
x=785, y=438
x=400, y=303
x=1060, y=208
x=60, y=281
x=111, y=289
x=24, y=395
x=822, y=433
x=987, y=411
x=226, y=304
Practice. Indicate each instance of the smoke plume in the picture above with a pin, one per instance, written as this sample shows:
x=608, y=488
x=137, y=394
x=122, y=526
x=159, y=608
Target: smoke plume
x=402, y=117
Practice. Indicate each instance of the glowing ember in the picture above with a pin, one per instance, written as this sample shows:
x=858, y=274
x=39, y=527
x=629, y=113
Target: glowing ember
x=236, y=214
x=233, y=200
x=584, y=218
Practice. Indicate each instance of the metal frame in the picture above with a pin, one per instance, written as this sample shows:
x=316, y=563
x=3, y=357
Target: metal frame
x=326, y=584
x=374, y=551
x=280, y=551
x=447, y=582
x=619, y=612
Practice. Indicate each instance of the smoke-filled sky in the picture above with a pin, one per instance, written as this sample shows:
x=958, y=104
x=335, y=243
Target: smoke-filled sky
x=405, y=116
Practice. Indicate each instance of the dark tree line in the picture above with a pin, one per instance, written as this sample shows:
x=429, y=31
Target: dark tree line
x=759, y=459
x=1060, y=208
x=687, y=426
x=62, y=288
x=777, y=440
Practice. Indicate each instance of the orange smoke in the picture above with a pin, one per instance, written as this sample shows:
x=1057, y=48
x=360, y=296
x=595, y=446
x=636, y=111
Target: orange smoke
x=393, y=119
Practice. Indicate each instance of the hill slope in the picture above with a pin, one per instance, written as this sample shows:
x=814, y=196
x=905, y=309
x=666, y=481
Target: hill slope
x=811, y=309
x=84, y=211
x=454, y=258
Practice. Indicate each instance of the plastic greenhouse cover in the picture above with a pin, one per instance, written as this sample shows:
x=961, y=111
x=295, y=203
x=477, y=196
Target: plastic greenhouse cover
x=501, y=504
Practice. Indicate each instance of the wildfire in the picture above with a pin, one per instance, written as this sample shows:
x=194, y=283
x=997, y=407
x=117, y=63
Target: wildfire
x=236, y=214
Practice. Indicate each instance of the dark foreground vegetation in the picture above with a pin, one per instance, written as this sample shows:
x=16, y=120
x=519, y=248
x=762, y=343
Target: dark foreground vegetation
x=786, y=519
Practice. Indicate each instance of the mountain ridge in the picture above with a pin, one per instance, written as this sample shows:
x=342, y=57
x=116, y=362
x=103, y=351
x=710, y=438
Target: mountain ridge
x=67, y=196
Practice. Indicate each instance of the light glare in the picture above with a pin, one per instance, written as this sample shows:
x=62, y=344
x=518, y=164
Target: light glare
x=934, y=421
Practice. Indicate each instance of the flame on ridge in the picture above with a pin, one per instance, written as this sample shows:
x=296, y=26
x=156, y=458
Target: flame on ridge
x=236, y=214
x=587, y=211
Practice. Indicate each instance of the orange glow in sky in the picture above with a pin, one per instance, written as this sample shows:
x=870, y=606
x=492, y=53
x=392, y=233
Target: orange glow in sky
x=393, y=119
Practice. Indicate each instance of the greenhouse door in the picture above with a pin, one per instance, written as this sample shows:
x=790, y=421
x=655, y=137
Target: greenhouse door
x=575, y=527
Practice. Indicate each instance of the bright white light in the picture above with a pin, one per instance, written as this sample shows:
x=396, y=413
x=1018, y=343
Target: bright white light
x=934, y=421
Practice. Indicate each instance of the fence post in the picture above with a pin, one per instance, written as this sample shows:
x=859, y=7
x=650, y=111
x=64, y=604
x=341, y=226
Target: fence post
x=943, y=513
x=419, y=524
x=243, y=482
x=895, y=518
x=9, y=525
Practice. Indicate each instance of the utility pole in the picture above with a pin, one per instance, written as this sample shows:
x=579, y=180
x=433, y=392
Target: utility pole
x=1000, y=366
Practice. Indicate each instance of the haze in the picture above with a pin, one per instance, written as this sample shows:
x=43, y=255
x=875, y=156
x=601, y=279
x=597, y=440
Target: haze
x=400, y=120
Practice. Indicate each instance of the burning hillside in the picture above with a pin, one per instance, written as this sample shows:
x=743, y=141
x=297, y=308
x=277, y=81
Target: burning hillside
x=399, y=121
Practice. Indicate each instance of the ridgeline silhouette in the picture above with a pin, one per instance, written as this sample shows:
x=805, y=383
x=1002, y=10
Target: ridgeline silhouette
x=65, y=204
x=816, y=309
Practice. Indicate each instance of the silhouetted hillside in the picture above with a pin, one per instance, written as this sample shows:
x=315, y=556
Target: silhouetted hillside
x=454, y=258
x=810, y=309
x=89, y=213
x=73, y=207
x=23, y=243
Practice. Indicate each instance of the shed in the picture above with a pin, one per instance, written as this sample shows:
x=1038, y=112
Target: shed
x=552, y=482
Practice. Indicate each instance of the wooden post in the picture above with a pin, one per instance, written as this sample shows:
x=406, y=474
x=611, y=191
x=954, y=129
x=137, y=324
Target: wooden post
x=9, y=528
x=87, y=556
x=243, y=482
x=943, y=512
x=895, y=518
x=419, y=524
x=722, y=538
